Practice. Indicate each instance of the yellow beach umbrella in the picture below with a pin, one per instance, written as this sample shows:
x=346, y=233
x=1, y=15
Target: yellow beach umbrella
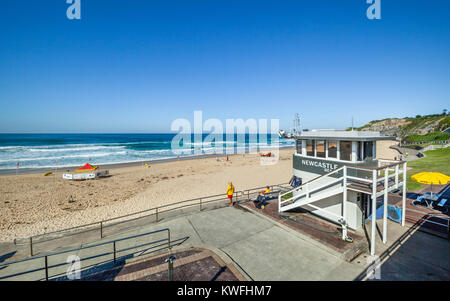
x=435, y=178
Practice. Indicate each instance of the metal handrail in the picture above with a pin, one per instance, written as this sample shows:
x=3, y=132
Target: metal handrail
x=423, y=142
x=424, y=219
x=310, y=191
x=114, y=252
x=316, y=178
x=157, y=210
x=306, y=184
x=380, y=167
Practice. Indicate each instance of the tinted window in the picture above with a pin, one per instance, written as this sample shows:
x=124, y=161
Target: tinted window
x=346, y=150
x=310, y=148
x=368, y=151
x=332, y=149
x=320, y=147
x=299, y=146
x=358, y=151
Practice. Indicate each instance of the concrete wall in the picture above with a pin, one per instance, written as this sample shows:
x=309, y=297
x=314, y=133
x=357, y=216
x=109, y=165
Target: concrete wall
x=334, y=204
x=384, y=152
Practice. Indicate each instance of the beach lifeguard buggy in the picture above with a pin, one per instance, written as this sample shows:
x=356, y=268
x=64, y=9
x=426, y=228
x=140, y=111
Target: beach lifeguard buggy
x=85, y=172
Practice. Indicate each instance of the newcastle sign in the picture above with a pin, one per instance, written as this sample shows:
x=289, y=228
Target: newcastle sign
x=315, y=166
x=322, y=166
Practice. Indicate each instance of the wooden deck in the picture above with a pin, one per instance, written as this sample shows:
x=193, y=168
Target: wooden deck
x=424, y=216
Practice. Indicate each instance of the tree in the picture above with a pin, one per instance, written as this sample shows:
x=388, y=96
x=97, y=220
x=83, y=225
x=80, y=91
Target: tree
x=444, y=112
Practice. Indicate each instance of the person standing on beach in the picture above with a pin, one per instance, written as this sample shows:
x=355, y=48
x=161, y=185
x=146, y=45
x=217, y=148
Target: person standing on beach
x=230, y=192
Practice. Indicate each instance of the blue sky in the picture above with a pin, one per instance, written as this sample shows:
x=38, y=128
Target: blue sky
x=135, y=66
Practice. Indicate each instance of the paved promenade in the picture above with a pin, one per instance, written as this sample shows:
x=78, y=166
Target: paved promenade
x=262, y=249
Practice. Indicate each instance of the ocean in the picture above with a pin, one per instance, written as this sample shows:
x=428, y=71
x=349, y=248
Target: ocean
x=37, y=151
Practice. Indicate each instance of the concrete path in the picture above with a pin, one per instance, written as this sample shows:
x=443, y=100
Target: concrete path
x=412, y=153
x=260, y=248
x=409, y=254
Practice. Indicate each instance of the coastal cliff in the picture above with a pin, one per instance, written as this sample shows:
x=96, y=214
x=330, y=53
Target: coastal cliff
x=427, y=127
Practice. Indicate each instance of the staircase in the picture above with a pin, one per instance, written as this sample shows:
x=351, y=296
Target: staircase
x=319, y=188
x=343, y=179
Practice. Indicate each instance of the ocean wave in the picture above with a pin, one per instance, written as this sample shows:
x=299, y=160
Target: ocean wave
x=103, y=152
x=92, y=155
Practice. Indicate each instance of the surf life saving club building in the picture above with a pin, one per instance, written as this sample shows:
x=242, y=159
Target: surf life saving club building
x=341, y=177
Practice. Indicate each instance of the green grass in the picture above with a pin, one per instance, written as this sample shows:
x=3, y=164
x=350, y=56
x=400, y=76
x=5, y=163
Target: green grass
x=435, y=160
x=287, y=196
x=435, y=136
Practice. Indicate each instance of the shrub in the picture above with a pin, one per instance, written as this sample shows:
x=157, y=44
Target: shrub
x=434, y=136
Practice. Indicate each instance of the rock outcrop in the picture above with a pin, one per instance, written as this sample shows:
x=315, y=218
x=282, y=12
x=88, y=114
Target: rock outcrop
x=403, y=127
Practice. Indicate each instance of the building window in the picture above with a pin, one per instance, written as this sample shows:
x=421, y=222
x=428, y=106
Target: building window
x=320, y=147
x=332, y=149
x=298, y=146
x=358, y=151
x=368, y=150
x=346, y=150
x=310, y=148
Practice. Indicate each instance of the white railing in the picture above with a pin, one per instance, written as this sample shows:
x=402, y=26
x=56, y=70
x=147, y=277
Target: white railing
x=383, y=165
x=308, y=189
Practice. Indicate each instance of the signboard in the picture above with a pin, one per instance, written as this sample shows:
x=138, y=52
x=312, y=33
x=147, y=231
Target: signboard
x=316, y=166
x=323, y=166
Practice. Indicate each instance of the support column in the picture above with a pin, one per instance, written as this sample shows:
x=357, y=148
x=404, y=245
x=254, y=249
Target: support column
x=354, y=151
x=404, y=195
x=374, y=149
x=362, y=151
x=279, y=203
x=314, y=142
x=385, y=205
x=344, y=204
x=396, y=176
x=338, y=149
x=374, y=212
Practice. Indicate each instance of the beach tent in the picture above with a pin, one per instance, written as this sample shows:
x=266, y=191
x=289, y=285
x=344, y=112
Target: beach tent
x=394, y=213
x=87, y=167
x=85, y=172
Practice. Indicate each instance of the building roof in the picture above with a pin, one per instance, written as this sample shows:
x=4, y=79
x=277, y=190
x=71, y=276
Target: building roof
x=343, y=135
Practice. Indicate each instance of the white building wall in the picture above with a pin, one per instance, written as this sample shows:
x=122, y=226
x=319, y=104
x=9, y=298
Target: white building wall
x=333, y=204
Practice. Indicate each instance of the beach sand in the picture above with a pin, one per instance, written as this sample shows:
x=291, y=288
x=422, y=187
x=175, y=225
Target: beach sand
x=32, y=204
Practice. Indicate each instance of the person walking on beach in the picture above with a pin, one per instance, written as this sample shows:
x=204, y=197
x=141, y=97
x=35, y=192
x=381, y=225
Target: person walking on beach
x=230, y=192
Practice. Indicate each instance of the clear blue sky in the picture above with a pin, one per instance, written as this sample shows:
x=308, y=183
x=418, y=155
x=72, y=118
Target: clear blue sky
x=135, y=66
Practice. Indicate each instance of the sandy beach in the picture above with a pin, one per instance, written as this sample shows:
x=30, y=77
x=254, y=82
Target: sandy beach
x=32, y=203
